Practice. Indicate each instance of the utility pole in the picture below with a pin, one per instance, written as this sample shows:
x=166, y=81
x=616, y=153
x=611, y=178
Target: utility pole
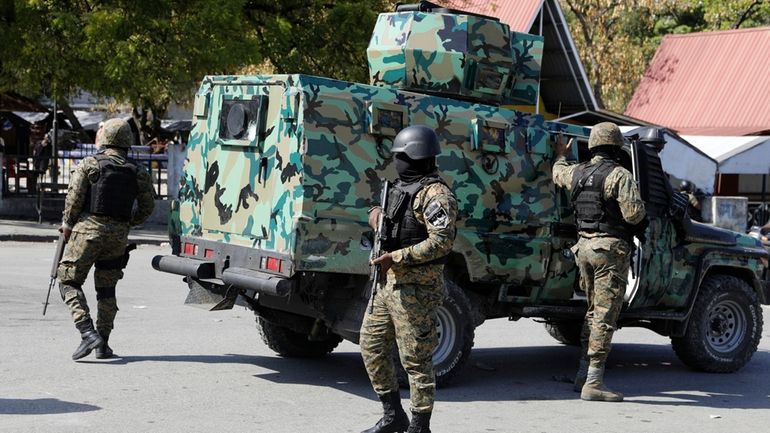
x=55, y=146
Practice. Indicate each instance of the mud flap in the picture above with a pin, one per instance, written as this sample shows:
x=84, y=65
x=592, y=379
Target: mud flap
x=210, y=297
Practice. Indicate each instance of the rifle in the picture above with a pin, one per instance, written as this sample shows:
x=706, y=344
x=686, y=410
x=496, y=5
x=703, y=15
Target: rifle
x=55, y=267
x=380, y=236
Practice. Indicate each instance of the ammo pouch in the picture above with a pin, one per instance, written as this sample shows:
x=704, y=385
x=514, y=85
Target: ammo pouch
x=401, y=225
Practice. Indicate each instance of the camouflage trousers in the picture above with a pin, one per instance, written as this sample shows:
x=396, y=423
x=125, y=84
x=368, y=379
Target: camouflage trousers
x=603, y=264
x=84, y=250
x=406, y=314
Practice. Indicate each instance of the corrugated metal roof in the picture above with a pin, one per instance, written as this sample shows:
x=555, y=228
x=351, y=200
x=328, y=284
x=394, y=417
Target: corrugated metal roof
x=518, y=14
x=714, y=83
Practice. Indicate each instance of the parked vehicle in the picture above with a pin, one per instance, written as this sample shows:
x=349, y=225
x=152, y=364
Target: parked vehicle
x=283, y=168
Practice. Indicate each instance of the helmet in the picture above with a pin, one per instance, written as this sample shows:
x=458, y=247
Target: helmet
x=604, y=134
x=652, y=135
x=115, y=133
x=686, y=186
x=417, y=142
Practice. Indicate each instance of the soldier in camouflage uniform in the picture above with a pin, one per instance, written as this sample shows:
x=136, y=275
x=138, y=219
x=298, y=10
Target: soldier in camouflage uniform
x=609, y=211
x=97, y=216
x=420, y=220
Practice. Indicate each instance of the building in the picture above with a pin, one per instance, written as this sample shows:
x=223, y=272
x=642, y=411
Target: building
x=714, y=89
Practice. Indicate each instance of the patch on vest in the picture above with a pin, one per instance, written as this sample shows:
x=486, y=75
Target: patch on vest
x=436, y=216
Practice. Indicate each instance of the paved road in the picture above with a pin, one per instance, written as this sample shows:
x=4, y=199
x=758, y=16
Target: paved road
x=187, y=370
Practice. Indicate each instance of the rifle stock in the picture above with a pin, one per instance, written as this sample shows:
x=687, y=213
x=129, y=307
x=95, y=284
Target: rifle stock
x=55, y=267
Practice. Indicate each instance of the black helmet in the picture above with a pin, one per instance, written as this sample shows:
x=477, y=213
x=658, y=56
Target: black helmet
x=653, y=136
x=686, y=186
x=417, y=142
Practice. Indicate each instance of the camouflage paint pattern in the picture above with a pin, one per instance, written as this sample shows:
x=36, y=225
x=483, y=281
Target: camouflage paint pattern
x=301, y=178
x=405, y=310
x=98, y=240
x=528, y=57
x=84, y=250
x=323, y=171
x=460, y=55
x=603, y=264
x=406, y=314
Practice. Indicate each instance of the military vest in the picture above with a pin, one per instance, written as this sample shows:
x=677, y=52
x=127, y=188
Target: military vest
x=594, y=214
x=402, y=225
x=114, y=193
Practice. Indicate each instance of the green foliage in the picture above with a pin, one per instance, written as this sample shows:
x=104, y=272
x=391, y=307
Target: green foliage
x=318, y=37
x=617, y=39
x=152, y=52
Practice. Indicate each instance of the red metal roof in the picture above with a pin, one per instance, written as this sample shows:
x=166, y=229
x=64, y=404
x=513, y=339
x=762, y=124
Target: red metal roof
x=518, y=14
x=714, y=83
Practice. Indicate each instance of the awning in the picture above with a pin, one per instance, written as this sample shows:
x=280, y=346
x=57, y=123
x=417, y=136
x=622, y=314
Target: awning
x=736, y=155
x=32, y=116
x=90, y=120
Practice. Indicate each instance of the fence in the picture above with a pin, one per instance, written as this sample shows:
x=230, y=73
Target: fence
x=22, y=174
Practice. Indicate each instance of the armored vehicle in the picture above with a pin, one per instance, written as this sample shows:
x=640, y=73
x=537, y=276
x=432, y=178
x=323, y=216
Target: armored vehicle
x=272, y=210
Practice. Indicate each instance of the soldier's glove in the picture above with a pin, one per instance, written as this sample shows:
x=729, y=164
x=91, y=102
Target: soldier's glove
x=640, y=230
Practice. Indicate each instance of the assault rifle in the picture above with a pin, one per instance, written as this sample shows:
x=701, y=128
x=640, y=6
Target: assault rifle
x=380, y=236
x=54, y=268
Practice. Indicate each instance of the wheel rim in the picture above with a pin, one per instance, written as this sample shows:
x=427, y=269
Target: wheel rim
x=447, y=334
x=725, y=326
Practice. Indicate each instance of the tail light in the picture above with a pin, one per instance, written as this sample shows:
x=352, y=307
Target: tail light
x=272, y=264
x=207, y=253
x=190, y=249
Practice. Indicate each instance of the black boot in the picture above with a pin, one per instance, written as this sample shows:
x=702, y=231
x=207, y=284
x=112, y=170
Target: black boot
x=104, y=351
x=420, y=423
x=91, y=339
x=394, y=419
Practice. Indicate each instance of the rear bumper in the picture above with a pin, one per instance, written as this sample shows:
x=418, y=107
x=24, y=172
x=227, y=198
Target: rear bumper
x=242, y=278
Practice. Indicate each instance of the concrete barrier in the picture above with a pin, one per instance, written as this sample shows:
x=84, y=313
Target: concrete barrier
x=24, y=208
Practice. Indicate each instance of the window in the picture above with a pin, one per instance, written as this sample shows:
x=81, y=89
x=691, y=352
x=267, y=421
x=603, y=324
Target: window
x=240, y=121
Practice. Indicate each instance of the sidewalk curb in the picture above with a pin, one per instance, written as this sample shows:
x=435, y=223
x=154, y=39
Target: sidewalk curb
x=18, y=237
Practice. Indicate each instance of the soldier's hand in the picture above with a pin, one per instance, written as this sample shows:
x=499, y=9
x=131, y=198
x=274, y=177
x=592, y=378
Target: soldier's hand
x=385, y=261
x=562, y=149
x=67, y=232
x=374, y=216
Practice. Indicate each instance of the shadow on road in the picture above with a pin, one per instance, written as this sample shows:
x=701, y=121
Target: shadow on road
x=41, y=406
x=645, y=373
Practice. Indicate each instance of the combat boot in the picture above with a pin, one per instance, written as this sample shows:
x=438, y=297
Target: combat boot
x=394, y=419
x=91, y=339
x=420, y=423
x=580, y=377
x=104, y=351
x=594, y=389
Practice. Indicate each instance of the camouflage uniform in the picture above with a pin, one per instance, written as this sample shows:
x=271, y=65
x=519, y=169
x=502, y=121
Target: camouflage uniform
x=97, y=239
x=603, y=260
x=405, y=308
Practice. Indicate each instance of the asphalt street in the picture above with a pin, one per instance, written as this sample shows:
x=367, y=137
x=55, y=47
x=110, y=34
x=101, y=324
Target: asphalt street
x=183, y=369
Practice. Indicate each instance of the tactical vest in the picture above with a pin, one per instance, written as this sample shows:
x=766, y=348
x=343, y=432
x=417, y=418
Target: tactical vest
x=594, y=214
x=403, y=227
x=114, y=193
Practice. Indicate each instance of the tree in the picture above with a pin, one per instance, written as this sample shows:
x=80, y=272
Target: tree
x=145, y=52
x=319, y=37
x=616, y=39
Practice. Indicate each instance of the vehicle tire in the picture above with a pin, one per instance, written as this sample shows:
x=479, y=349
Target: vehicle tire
x=565, y=331
x=455, y=337
x=724, y=329
x=292, y=344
